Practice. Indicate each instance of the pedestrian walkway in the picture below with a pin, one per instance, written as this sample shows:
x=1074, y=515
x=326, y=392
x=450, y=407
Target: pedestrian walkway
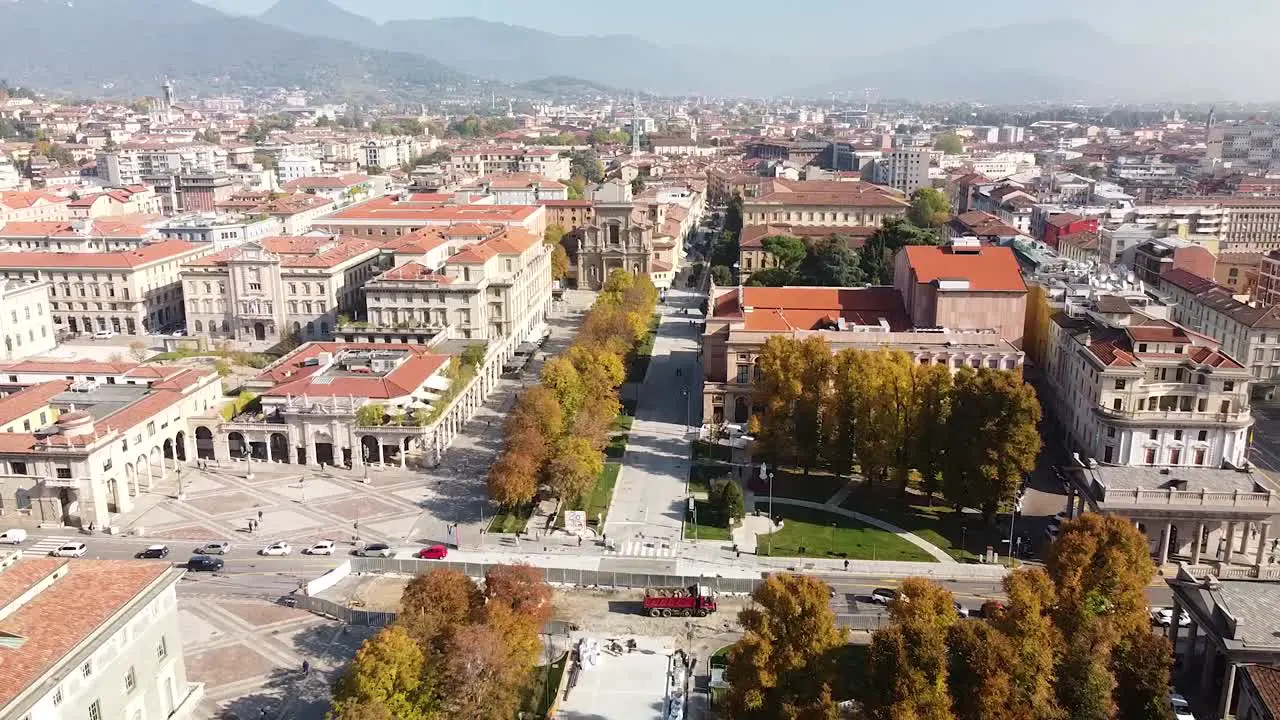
x=48, y=545
x=646, y=548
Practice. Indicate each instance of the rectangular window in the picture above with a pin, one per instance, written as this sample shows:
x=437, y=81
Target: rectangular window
x=1175, y=454
x=1119, y=384
x=95, y=711
x=57, y=697
x=162, y=649
x=1111, y=432
x=87, y=668
x=1228, y=386
x=1106, y=453
x=1177, y=434
x=130, y=681
x=1203, y=436
x=1151, y=456
x=1199, y=456
x=1154, y=435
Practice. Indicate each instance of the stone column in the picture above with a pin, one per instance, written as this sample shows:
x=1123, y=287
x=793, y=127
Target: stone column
x=1196, y=543
x=311, y=447
x=1262, y=541
x=1229, y=545
x=1228, y=686
x=379, y=446
x=1164, y=543
x=269, y=458
x=1244, y=538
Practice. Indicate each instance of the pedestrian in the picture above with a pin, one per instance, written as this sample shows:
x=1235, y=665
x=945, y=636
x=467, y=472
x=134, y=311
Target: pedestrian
x=846, y=566
x=579, y=541
x=306, y=667
x=259, y=516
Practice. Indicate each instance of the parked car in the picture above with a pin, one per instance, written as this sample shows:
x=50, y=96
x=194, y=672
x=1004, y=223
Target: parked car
x=221, y=547
x=375, y=550
x=70, y=550
x=154, y=552
x=276, y=548
x=324, y=547
x=961, y=610
x=1181, y=708
x=206, y=563
x=13, y=536
x=1164, y=617
x=435, y=552
x=884, y=596
x=104, y=334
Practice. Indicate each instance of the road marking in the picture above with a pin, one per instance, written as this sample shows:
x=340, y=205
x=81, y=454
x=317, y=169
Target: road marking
x=48, y=545
x=641, y=548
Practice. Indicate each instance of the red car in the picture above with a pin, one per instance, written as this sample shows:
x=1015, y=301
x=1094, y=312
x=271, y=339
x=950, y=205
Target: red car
x=435, y=552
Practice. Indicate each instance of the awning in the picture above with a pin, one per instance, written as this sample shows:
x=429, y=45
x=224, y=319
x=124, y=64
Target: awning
x=438, y=382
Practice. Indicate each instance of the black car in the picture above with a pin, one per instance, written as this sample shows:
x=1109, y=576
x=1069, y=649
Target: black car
x=155, y=552
x=205, y=562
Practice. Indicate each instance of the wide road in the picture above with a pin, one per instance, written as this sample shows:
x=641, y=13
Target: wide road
x=649, y=499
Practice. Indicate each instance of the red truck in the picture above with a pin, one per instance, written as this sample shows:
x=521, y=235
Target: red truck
x=679, y=602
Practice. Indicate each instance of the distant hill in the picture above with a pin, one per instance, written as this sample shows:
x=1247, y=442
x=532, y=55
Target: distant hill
x=130, y=46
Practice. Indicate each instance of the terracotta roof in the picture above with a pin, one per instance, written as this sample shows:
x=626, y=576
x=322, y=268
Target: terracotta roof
x=22, y=199
x=90, y=594
x=299, y=252
x=292, y=378
x=1085, y=240
x=809, y=308
x=142, y=255
x=989, y=269
x=1064, y=219
x=30, y=399
x=390, y=209
x=67, y=367
x=415, y=272
x=1266, y=681
x=318, y=182
x=981, y=224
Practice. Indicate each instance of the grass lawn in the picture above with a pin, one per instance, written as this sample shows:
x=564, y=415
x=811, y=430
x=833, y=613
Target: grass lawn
x=703, y=449
x=963, y=536
x=704, y=531
x=618, y=441
x=597, y=503
x=511, y=520
x=812, y=530
x=790, y=482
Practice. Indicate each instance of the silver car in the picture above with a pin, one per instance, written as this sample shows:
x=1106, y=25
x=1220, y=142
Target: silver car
x=222, y=547
x=376, y=550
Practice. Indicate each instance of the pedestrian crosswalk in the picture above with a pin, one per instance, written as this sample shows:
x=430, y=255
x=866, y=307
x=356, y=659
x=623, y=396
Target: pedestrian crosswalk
x=645, y=548
x=46, y=545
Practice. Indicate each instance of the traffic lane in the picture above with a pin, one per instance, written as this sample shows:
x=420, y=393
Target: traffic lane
x=971, y=594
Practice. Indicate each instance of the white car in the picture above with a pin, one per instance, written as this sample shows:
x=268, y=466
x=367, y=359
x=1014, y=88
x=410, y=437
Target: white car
x=276, y=548
x=70, y=550
x=1164, y=617
x=1181, y=709
x=324, y=547
x=104, y=335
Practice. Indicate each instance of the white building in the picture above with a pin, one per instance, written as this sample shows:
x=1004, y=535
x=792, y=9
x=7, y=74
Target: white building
x=96, y=639
x=222, y=230
x=291, y=168
x=905, y=170
x=133, y=163
x=1129, y=389
x=25, y=321
x=389, y=152
x=1250, y=333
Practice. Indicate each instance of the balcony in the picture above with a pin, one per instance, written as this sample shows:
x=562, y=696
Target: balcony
x=1242, y=418
x=1138, y=497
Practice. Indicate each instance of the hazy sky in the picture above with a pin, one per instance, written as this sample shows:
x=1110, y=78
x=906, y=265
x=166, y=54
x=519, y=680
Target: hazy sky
x=872, y=24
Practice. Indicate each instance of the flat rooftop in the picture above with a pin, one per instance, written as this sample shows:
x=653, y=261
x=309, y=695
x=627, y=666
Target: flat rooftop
x=1254, y=606
x=102, y=400
x=630, y=686
x=1114, y=477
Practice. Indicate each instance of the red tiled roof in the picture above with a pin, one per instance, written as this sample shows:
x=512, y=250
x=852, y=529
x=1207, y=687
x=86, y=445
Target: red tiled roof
x=981, y=224
x=142, y=255
x=317, y=182
x=392, y=210
x=30, y=399
x=989, y=269
x=22, y=199
x=1266, y=681
x=808, y=308
x=415, y=272
x=82, y=601
x=299, y=252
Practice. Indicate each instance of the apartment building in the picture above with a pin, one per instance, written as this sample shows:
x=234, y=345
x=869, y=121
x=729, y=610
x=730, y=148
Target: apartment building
x=136, y=163
x=343, y=189
x=903, y=170
x=1136, y=390
x=220, y=230
x=818, y=202
x=490, y=289
x=83, y=439
x=396, y=215
x=1154, y=258
x=92, y=639
x=117, y=202
x=25, y=321
x=130, y=291
x=1248, y=146
x=100, y=235
x=263, y=290
x=481, y=160
x=391, y=152
x=1250, y=333
x=516, y=188
x=33, y=206
x=1267, y=289
x=740, y=320
x=568, y=214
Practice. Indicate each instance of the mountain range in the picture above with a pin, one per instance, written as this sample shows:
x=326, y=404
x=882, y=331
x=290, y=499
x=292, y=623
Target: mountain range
x=129, y=46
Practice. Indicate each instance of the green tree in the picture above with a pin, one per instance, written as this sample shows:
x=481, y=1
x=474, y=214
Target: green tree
x=907, y=663
x=876, y=257
x=844, y=411
x=574, y=467
x=929, y=209
x=994, y=439
x=1142, y=663
x=783, y=667
x=586, y=165
x=949, y=143
x=637, y=185
x=733, y=218
x=978, y=663
x=387, y=673
x=726, y=501
x=1027, y=622
x=787, y=252
x=776, y=390
x=722, y=276
x=830, y=263
x=933, y=394
x=562, y=378
x=371, y=415
x=881, y=430
x=770, y=277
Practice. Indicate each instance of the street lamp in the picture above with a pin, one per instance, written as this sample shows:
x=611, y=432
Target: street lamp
x=248, y=463
x=688, y=414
